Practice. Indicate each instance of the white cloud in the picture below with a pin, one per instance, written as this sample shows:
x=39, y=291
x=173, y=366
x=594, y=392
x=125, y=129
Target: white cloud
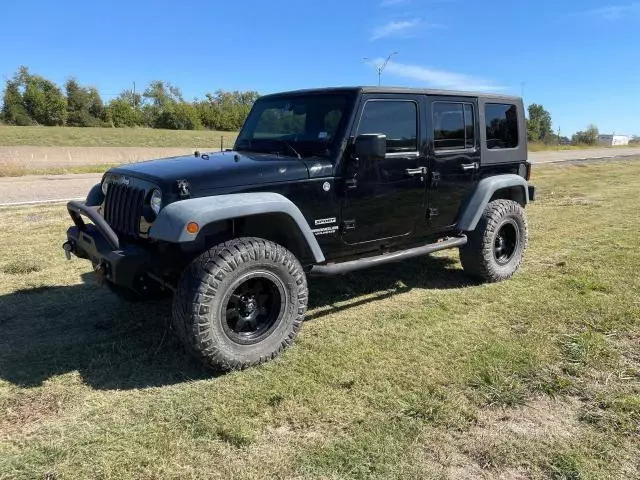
x=437, y=78
x=400, y=28
x=394, y=28
x=390, y=3
x=614, y=12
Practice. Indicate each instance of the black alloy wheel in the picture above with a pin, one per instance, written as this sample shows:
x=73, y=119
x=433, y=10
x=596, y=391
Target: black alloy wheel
x=504, y=246
x=253, y=306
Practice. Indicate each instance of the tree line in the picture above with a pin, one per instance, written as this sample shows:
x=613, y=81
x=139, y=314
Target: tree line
x=539, y=129
x=30, y=99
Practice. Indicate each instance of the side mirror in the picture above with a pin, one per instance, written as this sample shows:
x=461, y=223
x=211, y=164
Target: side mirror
x=372, y=145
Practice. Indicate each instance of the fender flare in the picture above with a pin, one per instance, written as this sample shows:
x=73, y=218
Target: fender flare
x=170, y=225
x=95, y=196
x=475, y=204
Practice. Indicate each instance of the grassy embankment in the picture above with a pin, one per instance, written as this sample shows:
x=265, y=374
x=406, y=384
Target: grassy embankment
x=111, y=137
x=100, y=137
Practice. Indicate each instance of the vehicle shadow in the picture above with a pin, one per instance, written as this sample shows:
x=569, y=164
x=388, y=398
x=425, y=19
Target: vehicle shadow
x=113, y=344
x=384, y=281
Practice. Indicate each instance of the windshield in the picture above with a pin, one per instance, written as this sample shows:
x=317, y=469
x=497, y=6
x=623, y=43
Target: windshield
x=297, y=125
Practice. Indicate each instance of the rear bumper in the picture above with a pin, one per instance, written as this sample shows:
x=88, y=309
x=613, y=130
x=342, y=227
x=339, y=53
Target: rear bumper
x=119, y=263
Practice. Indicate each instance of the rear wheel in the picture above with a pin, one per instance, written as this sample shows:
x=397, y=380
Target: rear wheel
x=496, y=247
x=240, y=303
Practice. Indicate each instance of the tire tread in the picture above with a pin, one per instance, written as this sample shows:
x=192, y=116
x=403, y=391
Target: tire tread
x=199, y=285
x=477, y=255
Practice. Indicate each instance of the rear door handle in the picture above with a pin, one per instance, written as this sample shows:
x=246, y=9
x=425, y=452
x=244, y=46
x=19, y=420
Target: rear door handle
x=468, y=167
x=416, y=171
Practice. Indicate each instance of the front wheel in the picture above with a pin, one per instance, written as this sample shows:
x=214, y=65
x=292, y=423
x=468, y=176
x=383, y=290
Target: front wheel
x=240, y=303
x=496, y=247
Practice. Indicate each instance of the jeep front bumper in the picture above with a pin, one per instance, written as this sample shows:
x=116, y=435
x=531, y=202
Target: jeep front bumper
x=116, y=262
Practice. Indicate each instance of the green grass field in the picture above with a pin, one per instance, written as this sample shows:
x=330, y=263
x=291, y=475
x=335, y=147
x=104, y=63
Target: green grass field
x=145, y=137
x=111, y=137
x=412, y=371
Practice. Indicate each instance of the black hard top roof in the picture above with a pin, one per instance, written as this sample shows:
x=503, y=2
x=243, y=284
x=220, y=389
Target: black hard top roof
x=400, y=90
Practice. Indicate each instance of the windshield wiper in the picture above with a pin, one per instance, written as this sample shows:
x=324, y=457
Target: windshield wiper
x=250, y=147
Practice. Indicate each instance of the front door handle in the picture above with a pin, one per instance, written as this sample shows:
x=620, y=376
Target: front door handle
x=468, y=167
x=416, y=171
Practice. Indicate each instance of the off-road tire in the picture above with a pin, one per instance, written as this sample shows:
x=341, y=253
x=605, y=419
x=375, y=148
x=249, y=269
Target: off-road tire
x=200, y=297
x=478, y=256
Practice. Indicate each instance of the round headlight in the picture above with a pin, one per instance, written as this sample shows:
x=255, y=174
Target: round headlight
x=155, y=201
x=105, y=186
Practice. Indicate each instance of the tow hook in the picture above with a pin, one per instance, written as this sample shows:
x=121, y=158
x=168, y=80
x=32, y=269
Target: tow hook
x=68, y=248
x=100, y=272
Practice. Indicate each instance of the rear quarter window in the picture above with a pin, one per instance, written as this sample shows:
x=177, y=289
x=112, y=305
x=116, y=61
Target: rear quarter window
x=502, y=125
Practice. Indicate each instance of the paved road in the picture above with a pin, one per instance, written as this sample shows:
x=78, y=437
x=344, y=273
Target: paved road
x=586, y=154
x=43, y=188
x=37, y=188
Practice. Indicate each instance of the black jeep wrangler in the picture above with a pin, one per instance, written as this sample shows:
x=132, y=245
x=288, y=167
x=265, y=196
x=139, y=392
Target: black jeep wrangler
x=320, y=182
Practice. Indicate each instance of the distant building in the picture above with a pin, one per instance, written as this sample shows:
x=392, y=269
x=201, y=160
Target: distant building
x=613, y=140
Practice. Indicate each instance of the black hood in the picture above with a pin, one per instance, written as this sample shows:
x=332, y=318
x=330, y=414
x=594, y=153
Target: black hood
x=219, y=170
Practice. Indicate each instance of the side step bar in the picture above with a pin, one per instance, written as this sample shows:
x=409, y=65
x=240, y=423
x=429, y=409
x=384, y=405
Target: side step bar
x=353, y=265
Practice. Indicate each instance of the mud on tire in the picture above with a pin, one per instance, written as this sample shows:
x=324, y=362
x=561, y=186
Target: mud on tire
x=240, y=303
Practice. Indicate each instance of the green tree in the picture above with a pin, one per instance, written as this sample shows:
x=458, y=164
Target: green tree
x=14, y=111
x=179, y=116
x=121, y=113
x=539, y=124
x=84, y=105
x=132, y=98
x=587, y=137
x=43, y=100
x=226, y=110
x=159, y=100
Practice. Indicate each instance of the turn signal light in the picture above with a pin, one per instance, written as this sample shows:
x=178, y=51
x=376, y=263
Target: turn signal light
x=193, y=227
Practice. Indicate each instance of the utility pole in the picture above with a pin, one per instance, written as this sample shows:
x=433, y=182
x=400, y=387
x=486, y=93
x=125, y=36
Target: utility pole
x=558, y=137
x=380, y=68
x=135, y=102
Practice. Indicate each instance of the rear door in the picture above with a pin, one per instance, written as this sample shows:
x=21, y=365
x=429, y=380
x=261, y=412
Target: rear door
x=454, y=156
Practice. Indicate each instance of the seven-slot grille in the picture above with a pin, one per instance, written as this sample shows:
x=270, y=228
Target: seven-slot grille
x=123, y=208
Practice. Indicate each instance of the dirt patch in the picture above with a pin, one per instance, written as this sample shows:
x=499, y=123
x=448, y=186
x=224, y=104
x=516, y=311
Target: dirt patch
x=539, y=418
x=22, y=413
x=470, y=454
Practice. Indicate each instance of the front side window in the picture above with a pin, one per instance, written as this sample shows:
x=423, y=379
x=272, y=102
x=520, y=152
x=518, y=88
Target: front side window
x=398, y=120
x=502, y=125
x=453, y=126
x=310, y=124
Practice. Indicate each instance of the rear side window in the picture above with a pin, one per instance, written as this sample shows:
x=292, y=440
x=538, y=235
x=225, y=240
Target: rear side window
x=502, y=125
x=453, y=126
x=398, y=120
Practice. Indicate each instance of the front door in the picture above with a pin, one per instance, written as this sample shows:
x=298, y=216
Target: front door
x=384, y=198
x=454, y=156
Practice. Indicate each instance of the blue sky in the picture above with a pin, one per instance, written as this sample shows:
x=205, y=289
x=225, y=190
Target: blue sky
x=578, y=58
